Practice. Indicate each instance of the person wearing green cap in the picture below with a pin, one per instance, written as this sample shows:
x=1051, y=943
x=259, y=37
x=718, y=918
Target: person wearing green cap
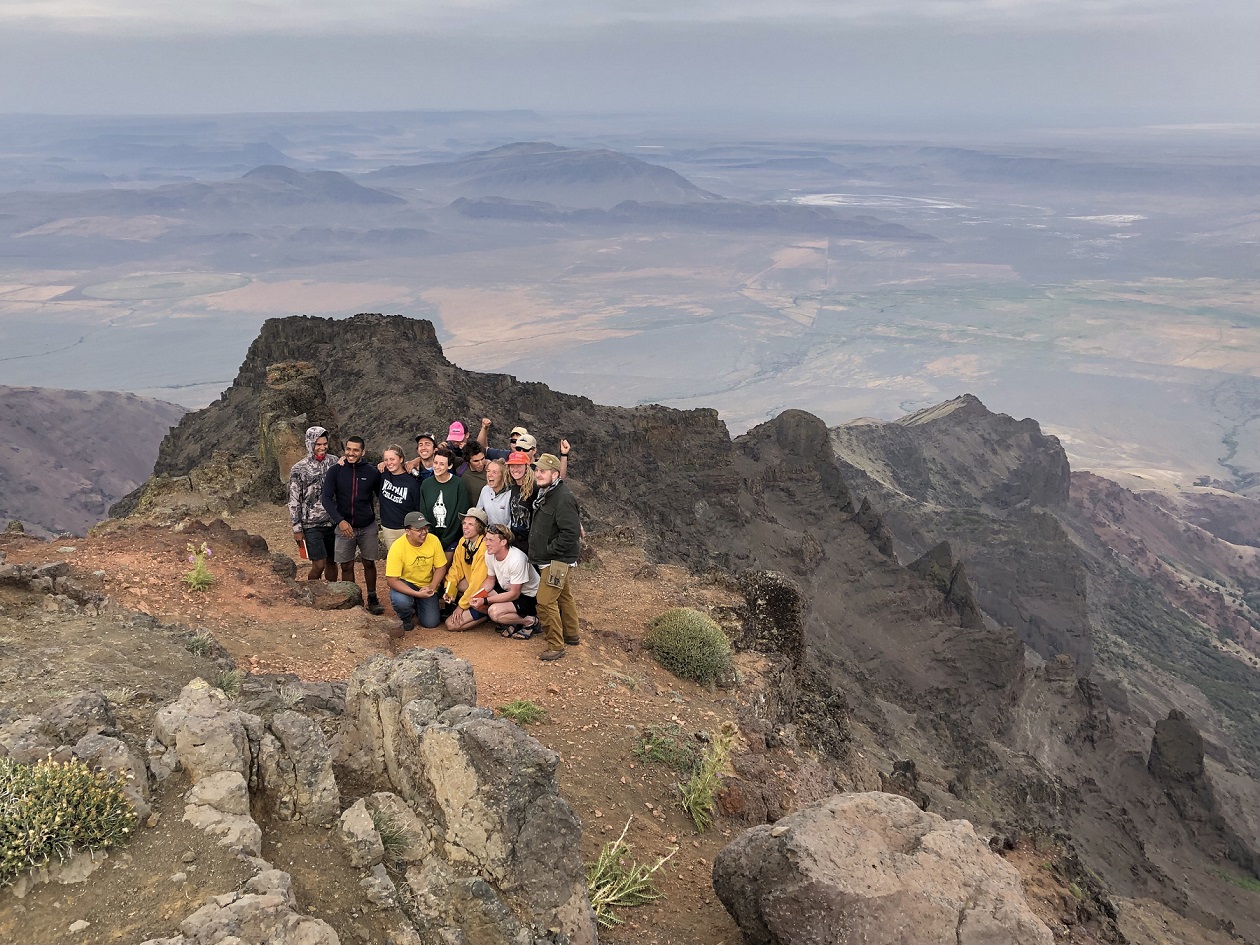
x=413, y=571
x=555, y=538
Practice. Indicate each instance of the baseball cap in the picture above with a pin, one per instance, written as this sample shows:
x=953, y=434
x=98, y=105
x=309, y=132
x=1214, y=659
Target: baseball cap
x=525, y=442
x=478, y=514
x=415, y=520
x=426, y=436
x=518, y=459
x=548, y=461
x=456, y=432
x=519, y=430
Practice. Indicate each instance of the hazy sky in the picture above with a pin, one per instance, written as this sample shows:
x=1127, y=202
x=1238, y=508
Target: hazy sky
x=1013, y=62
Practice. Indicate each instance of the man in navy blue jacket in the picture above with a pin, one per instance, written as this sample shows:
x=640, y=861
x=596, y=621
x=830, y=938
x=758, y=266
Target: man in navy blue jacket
x=349, y=491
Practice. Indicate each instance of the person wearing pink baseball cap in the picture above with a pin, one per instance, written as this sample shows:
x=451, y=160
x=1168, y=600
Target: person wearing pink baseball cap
x=456, y=440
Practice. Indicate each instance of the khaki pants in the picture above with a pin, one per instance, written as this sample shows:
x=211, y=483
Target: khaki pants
x=388, y=537
x=557, y=610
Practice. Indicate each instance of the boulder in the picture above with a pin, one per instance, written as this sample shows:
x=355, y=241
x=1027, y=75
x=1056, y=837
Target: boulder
x=263, y=913
x=110, y=754
x=866, y=868
x=295, y=770
x=502, y=838
x=219, y=805
x=376, y=693
x=31, y=738
x=360, y=835
x=415, y=840
x=332, y=595
x=201, y=733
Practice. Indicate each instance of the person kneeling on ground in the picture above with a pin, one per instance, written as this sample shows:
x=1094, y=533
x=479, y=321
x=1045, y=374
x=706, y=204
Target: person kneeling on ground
x=467, y=574
x=511, y=585
x=414, y=571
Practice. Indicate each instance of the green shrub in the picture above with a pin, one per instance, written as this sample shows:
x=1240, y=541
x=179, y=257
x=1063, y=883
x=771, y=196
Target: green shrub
x=689, y=644
x=666, y=744
x=699, y=794
x=230, y=682
x=52, y=809
x=199, y=578
x=522, y=712
x=613, y=883
x=394, y=838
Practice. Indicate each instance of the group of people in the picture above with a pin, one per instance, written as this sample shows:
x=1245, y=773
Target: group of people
x=470, y=534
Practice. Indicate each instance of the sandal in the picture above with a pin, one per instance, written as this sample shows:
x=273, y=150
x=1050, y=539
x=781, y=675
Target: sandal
x=522, y=631
x=504, y=631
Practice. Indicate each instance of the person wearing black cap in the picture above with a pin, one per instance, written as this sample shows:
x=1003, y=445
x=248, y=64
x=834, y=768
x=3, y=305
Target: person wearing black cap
x=554, y=542
x=422, y=465
x=414, y=571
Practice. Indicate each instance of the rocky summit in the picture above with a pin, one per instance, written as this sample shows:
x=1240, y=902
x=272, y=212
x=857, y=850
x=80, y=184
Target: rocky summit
x=955, y=712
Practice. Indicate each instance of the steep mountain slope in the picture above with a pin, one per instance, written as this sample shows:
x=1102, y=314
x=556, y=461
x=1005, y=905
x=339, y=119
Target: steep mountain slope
x=872, y=663
x=67, y=455
x=1077, y=576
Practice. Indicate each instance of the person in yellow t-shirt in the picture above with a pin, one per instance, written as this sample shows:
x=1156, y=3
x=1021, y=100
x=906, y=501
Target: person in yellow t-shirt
x=414, y=570
x=467, y=573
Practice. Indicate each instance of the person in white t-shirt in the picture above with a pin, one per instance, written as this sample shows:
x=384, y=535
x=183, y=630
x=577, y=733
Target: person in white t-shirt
x=511, y=585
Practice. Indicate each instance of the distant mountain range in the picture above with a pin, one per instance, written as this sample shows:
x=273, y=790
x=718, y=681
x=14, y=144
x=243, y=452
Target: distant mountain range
x=271, y=186
x=541, y=171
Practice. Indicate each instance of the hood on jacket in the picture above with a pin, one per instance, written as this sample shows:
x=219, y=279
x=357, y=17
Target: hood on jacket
x=313, y=434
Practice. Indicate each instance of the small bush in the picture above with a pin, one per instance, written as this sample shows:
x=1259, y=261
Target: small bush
x=614, y=884
x=699, y=794
x=200, y=643
x=199, y=578
x=230, y=682
x=52, y=809
x=522, y=712
x=393, y=835
x=1242, y=882
x=689, y=644
x=665, y=744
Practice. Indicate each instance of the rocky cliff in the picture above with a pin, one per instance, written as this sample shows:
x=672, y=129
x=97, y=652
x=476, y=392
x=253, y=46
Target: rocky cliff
x=873, y=663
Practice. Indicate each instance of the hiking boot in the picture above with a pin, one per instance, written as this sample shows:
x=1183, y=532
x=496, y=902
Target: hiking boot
x=572, y=641
x=408, y=626
x=550, y=655
x=373, y=606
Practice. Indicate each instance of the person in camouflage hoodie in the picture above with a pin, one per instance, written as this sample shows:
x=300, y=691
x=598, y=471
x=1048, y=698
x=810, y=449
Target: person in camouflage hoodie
x=310, y=521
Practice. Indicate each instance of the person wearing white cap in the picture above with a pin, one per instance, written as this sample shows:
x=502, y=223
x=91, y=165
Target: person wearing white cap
x=467, y=573
x=522, y=441
x=483, y=437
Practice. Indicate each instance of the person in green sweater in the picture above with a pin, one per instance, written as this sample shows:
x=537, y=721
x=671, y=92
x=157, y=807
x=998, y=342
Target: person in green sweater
x=444, y=500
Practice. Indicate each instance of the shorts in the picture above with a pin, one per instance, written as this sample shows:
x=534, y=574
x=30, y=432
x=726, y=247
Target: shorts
x=388, y=537
x=365, y=541
x=525, y=606
x=320, y=542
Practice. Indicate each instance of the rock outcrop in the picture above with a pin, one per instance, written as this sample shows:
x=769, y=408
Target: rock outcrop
x=80, y=726
x=861, y=868
x=226, y=753
x=991, y=486
x=507, y=845
x=264, y=912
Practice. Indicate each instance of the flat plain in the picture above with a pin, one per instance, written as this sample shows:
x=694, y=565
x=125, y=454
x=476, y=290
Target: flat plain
x=1109, y=290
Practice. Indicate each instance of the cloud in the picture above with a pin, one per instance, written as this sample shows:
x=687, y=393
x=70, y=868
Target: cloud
x=331, y=17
